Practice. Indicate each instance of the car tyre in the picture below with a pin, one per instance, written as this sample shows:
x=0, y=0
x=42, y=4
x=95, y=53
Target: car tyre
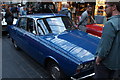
x=55, y=71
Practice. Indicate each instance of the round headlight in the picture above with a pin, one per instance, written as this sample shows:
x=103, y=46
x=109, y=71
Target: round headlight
x=81, y=66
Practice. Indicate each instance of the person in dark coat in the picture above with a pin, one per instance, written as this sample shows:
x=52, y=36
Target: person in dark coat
x=15, y=11
x=30, y=10
x=9, y=17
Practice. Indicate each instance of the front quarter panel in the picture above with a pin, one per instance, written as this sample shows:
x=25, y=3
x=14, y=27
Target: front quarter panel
x=67, y=64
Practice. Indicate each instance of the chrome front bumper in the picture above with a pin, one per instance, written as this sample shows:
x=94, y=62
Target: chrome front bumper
x=83, y=77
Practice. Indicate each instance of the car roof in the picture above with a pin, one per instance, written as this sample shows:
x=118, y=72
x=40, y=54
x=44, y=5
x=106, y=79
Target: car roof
x=42, y=15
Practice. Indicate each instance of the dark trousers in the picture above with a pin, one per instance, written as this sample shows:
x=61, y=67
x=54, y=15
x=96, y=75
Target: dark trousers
x=103, y=73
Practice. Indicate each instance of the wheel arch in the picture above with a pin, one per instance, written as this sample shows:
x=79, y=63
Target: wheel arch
x=50, y=59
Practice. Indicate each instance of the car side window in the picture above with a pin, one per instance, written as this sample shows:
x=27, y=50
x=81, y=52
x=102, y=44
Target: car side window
x=31, y=26
x=22, y=23
x=42, y=29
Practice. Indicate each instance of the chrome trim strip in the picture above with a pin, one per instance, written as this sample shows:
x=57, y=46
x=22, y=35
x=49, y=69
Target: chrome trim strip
x=83, y=77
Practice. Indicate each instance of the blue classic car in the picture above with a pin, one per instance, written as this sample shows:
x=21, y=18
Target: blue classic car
x=54, y=42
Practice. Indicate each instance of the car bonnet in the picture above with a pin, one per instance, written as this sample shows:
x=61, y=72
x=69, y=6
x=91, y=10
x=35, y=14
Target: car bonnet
x=79, y=44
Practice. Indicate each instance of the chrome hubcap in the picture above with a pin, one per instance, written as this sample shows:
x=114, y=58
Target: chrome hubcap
x=55, y=72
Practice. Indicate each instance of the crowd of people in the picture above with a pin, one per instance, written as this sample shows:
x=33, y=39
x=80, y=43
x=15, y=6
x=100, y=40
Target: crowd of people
x=14, y=11
x=107, y=54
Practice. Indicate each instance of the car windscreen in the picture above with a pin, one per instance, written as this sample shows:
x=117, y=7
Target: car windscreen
x=58, y=24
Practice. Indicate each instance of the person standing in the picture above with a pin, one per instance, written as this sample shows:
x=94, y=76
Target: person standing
x=14, y=11
x=108, y=52
x=24, y=11
x=9, y=17
x=84, y=18
x=30, y=10
x=65, y=11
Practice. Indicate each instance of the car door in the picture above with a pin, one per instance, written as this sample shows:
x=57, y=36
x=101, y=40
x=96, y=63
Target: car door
x=19, y=33
x=31, y=39
x=36, y=47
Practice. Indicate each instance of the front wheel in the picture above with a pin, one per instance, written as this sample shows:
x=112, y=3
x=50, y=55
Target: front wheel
x=55, y=71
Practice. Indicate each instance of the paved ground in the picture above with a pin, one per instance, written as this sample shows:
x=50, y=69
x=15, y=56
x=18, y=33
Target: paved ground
x=17, y=64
